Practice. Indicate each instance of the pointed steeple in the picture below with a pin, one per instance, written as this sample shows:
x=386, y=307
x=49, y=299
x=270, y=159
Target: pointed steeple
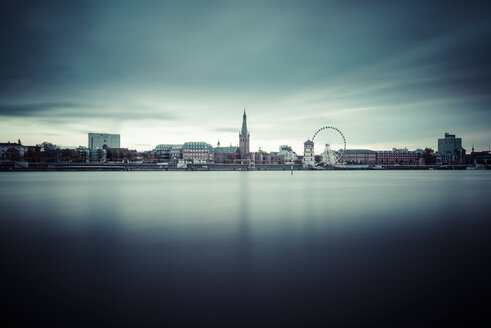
x=244, y=137
x=243, y=131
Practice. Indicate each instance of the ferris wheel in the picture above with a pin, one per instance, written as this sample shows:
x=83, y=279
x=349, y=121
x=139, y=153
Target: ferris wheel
x=329, y=142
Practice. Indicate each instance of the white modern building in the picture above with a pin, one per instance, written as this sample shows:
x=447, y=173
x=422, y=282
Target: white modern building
x=103, y=140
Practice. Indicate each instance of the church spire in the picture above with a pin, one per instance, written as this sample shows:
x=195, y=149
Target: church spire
x=243, y=131
x=244, y=137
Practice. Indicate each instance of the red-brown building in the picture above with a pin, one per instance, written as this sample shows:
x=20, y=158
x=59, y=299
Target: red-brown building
x=394, y=156
x=359, y=156
x=398, y=156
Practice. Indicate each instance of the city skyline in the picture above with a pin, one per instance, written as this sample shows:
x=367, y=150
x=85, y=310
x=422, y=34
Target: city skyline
x=239, y=145
x=388, y=74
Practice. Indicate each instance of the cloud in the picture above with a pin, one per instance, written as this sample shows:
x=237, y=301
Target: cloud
x=66, y=111
x=35, y=109
x=165, y=64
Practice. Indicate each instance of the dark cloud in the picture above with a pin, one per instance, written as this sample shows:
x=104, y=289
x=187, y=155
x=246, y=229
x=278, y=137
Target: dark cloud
x=36, y=109
x=63, y=110
x=79, y=46
x=34, y=35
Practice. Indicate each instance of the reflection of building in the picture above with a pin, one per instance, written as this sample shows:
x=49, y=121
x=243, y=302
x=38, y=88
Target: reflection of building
x=244, y=137
x=103, y=140
x=450, y=149
x=197, y=152
x=308, y=152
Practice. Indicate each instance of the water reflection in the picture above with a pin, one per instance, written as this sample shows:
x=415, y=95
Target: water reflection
x=266, y=247
x=244, y=222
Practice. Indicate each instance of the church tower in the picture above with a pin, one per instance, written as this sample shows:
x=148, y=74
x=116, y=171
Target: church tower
x=244, y=136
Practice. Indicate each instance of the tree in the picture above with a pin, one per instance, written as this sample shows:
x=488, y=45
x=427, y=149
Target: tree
x=66, y=155
x=148, y=156
x=428, y=156
x=50, y=152
x=129, y=156
x=12, y=154
x=70, y=155
x=112, y=154
x=318, y=158
x=101, y=155
x=33, y=154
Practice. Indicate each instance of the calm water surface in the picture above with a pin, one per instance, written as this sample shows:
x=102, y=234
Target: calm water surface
x=253, y=248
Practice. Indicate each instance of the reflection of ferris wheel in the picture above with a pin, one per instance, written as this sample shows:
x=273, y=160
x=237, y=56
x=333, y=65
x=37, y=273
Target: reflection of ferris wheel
x=329, y=142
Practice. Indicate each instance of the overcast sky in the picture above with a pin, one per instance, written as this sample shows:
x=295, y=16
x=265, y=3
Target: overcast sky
x=386, y=73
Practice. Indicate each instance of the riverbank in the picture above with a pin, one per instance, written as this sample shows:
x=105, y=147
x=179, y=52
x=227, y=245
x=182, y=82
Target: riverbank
x=118, y=166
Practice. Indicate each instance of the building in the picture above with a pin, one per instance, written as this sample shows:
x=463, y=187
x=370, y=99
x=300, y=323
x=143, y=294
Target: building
x=479, y=157
x=162, y=152
x=176, y=153
x=98, y=155
x=262, y=157
x=12, y=151
x=225, y=154
x=308, y=153
x=33, y=154
x=450, y=149
x=244, y=137
x=103, y=140
x=359, y=156
x=394, y=156
x=168, y=153
x=286, y=155
x=84, y=153
x=197, y=152
x=399, y=156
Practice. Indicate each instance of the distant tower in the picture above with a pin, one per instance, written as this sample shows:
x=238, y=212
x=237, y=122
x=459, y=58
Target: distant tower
x=244, y=136
x=218, y=144
x=308, y=153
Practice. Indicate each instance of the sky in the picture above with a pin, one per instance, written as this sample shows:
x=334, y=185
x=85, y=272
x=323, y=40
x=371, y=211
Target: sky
x=388, y=74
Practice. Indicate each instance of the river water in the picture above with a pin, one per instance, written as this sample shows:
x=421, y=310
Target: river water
x=254, y=248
